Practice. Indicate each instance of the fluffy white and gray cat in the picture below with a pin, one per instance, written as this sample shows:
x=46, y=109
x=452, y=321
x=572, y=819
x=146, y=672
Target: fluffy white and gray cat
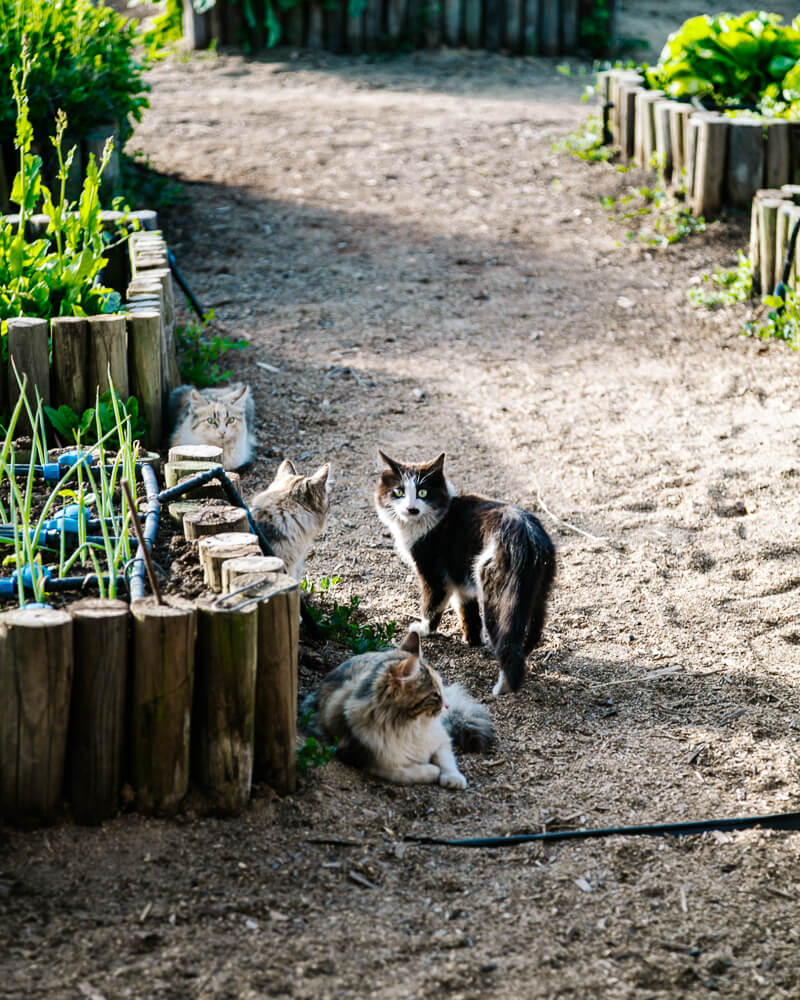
x=221, y=416
x=390, y=715
x=292, y=512
x=495, y=561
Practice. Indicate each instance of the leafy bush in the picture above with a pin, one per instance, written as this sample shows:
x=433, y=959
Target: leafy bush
x=98, y=421
x=734, y=60
x=55, y=275
x=85, y=64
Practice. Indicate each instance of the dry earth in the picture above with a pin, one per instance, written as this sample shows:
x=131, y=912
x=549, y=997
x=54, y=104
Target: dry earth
x=420, y=270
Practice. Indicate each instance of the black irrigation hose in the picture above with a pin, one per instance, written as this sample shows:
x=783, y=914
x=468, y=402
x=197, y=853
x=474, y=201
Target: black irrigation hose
x=774, y=821
x=151, y=516
x=184, y=285
x=781, y=287
x=230, y=491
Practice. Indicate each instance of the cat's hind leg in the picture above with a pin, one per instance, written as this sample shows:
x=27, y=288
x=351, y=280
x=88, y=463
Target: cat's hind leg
x=449, y=776
x=471, y=624
x=434, y=601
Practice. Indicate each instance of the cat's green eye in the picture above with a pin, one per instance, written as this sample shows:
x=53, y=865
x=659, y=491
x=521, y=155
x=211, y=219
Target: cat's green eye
x=212, y=421
x=398, y=491
x=230, y=420
x=422, y=494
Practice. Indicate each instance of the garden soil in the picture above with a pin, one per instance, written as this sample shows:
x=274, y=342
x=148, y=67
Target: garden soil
x=415, y=267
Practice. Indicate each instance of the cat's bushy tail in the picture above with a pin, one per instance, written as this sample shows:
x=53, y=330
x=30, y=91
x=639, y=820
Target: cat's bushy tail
x=467, y=721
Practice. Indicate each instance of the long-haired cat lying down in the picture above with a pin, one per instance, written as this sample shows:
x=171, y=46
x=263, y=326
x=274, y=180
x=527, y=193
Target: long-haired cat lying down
x=493, y=560
x=391, y=715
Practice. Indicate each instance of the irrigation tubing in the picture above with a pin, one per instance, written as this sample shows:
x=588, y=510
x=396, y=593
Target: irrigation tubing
x=151, y=517
x=184, y=285
x=791, y=246
x=230, y=491
x=774, y=821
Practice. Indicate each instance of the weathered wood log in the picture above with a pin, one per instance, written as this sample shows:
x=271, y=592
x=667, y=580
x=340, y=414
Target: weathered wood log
x=163, y=679
x=397, y=16
x=144, y=366
x=627, y=95
x=212, y=490
x=783, y=227
x=29, y=354
x=214, y=550
x=492, y=25
x=223, y=716
x=550, y=27
x=315, y=26
x=746, y=149
x=335, y=20
x=473, y=10
x=767, y=227
x=146, y=217
x=276, y=689
x=355, y=33
x=433, y=24
x=97, y=713
x=209, y=453
x=663, y=135
x=569, y=25
x=69, y=336
x=710, y=168
x=532, y=18
x=254, y=571
x=791, y=191
x=678, y=119
x=754, y=252
x=210, y=520
x=293, y=25
x=36, y=664
x=778, y=165
x=646, y=126
x=196, y=27
x=108, y=355
x=513, y=39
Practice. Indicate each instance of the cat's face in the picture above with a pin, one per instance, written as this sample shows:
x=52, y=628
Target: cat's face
x=310, y=491
x=221, y=420
x=414, y=687
x=414, y=495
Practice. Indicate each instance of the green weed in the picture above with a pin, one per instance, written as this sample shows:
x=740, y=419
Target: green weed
x=336, y=621
x=199, y=353
x=724, y=287
x=312, y=753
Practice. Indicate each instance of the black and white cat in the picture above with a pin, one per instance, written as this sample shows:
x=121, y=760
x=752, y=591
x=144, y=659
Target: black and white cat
x=494, y=561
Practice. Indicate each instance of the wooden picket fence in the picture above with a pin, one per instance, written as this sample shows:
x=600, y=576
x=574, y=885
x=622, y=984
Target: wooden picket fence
x=721, y=161
x=530, y=27
x=774, y=215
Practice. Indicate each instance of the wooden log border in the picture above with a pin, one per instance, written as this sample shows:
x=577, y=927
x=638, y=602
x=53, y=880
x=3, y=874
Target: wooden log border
x=521, y=27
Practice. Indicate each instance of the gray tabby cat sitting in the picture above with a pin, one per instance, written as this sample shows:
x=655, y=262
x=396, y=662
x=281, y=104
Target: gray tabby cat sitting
x=292, y=512
x=390, y=715
x=494, y=561
x=221, y=416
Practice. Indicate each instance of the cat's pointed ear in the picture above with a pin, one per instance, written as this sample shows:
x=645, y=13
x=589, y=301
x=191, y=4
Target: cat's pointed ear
x=411, y=643
x=320, y=477
x=197, y=397
x=437, y=464
x=238, y=395
x=405, y=670
x=285, y=469
x=389, y=462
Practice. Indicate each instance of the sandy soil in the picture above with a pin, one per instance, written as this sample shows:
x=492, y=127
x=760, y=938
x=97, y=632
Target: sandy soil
x=401, y=242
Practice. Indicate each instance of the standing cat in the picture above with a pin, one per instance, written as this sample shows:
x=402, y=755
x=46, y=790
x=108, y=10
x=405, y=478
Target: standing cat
x=392, y=717
x=292, y=511
x=221, y=416
x=495, y=561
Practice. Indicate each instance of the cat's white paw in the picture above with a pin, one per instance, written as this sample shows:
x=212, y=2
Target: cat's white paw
x=421, y=628
x=501, y=687
x=452, y=779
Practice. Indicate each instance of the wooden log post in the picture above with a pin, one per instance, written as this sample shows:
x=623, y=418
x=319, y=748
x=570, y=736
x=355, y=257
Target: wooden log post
x=163, y=680
x=754, y=252
x=783, y=226
x=767, y=230
x=256, y=572
x=36, y=664
x=97, y=714
x=791, y=191
x=144, y=366
x=627, y=97
x=492, y=25
x=212, y=490
x=29, y=354
x=213, y=521
x=108, y=355
x=315, y=26
x=569, y=25
x=433, y=23
x=710, y=168
x=214, y=550
x=473, y=10
x=514, y=38
x=745, y=174
x=335, y=22
x=794, y=151
x=397, y=17
x=293, y=25
x=276, y=688
x=663, y=150
x=532, y=27
x=778, y=166
x=69, y=336
x=209, y=453
x=355, y=33
x=678, y=119
x=646, y=125
x=223, y=715
x=196, y=27
x=550, y=41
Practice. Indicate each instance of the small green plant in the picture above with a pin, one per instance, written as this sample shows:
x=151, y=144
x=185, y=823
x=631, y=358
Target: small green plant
x=98, y=421
x=783, y=319
x=726, y=285
x=594, y=32
x=587, y=142
x=660, y=218
x=337, y=623
x=312, y=753
x=199, y=352
x=165, y=30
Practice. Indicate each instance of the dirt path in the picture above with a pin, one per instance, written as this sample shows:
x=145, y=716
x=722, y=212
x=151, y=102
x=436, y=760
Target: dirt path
x=400, y=241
